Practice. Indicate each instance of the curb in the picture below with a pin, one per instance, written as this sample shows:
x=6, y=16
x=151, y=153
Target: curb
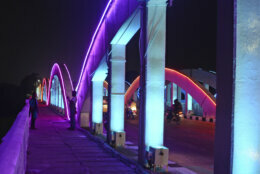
x=200, y=118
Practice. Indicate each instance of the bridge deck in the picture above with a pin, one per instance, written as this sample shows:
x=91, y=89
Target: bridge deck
x=55, y=149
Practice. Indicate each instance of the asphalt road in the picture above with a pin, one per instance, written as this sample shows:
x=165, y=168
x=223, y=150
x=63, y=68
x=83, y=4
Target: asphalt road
x=191, y=143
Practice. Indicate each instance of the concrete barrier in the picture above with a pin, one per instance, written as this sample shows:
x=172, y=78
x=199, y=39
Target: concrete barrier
x=13, y=150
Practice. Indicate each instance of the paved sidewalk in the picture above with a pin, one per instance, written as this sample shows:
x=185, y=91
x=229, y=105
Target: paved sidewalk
x=53, y=149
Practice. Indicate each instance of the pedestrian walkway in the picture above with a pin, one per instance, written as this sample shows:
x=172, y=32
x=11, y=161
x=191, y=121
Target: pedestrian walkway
x=53, y=149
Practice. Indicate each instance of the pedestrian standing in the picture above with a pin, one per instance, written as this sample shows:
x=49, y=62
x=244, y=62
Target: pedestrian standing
x=72, y=107
x=33, y=111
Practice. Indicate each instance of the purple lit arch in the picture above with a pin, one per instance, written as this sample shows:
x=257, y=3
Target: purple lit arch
x=46, y=85
x=66, y=85
x=115, y=14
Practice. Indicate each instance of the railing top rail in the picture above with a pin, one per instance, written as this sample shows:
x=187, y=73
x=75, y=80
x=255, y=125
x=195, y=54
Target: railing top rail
x=15, y=143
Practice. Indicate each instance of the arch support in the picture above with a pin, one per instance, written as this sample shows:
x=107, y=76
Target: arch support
x=97, y=96
x=155, y=77
x=117, y=88
x=118, y=59
x=151, y=119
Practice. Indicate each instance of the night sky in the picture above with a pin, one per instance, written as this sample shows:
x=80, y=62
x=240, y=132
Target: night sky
x=36, y=34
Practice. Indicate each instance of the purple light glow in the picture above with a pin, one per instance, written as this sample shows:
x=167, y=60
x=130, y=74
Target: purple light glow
x=69, y=76
x=44, y=83
x=57, y=71
x=107, y=27
x=206, y=101
x=92, y=41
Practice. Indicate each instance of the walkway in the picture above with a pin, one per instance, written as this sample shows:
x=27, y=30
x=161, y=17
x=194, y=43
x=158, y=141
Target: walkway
x=53, y=149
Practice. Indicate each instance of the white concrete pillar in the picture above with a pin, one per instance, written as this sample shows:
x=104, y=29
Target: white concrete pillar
x=97, y=101
x=117, y=87
x=246, y=155
x=98, y=92
x=61, y=99
x=56, y=92
x=155, y=73
x=179, y=93
x=84, y=116
x=188, y=103
x=168, y=94
x=174, y=92
x=58, y=97
x=206, y=86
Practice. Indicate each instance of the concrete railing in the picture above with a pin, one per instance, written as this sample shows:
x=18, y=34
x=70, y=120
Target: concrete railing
x=13, y=150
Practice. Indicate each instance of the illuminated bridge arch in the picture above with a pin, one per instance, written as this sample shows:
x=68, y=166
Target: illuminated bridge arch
x=62, y=74
x=44, y=90
x=118, y=24
x=114, y=16
x=203, y=97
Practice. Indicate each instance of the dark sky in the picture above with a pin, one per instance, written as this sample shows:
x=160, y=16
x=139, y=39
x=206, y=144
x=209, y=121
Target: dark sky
x=36, y=34
x=191, y=34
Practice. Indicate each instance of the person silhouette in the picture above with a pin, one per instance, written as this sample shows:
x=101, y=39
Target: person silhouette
x=73, y=111
x=33, y=111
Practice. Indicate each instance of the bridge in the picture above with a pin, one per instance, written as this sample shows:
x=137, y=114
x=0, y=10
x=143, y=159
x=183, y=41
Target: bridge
x=135, y=146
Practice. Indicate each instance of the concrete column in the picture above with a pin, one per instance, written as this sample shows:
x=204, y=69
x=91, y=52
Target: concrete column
x=143, y=39
x=188, y=104
x=58, y=97
x=155, y=74
x=61, y=101
x=237, y=138
x=246, y=155
x=97, y=101
x=168, y=95
x=174, y=92
x=225, y=70
x=206, y=86
x=97, y=107
x=85, y=112
x=117, y=88
x=179, y=93
x=57, y=100
x=57, y=93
